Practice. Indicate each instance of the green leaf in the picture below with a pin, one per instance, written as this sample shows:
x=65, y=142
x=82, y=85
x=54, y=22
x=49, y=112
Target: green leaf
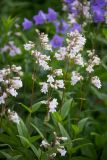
x=63, y=131
x=36, y=106
x=82, y=123
x=100, y=95
x=8, y=156
x=23, y=132
x=66, y=108
x=25, y=107
x=57, y=116
x=38, y=130
x=79, y=158
x=36, y=152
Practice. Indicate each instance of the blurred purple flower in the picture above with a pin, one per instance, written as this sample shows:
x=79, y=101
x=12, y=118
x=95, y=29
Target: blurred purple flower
x=68, y=1
x=27, y=24
x=76, y=26
x=100, y=3
x=98, y=13
x=61, y=27
x=57, y=41
x=52, y=15
x=40, y=18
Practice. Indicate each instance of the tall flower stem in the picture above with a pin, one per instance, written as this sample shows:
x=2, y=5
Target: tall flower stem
x=65, y=77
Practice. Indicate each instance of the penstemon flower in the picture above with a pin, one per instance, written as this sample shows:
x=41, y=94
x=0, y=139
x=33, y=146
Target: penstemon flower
x=9, y=83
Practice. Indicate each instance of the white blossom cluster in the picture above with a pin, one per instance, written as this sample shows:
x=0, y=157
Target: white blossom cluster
x=76, y=77
x=94, y=60
x=52, y=82
x=9, y=83
x=11, y=48
x=40, y=58
x=28, y=46
x=13, y=116
x=44, y=40
x=75, y=43
x=57, y=144
x=83, y=8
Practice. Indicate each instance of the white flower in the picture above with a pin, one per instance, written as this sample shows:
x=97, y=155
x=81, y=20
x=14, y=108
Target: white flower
x=75, y=77
x=59, y=83
x=53, y=155
x=64, y=138
x=44, y=143
x=50, y=79
x=53, y=105
x=16, y=83
x=44, y=41
x=75, y=42
x=58, y=72
x=62, y=151
x=41, y=59
x=96, y=82
x=12, y=91
x=44, y=88
x=2, y=98
x=1, y=78
x=96, y=60
x=29, y=46
x=79, y=60
x=13, y=116
x=89, y=68
x=62, y=52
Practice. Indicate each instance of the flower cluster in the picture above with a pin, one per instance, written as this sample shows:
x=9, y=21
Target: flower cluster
x=9, y=83
x=11, y=48
x=75, y=43
x=40, y=58
x=57, y=144
x=13, y=116
x=52, y=82
x=91, y=10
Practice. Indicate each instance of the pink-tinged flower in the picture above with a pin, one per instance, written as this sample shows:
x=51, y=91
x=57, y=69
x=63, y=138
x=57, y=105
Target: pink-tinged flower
x=52, y=15
x=27, y=24
x=40, y=18
x=57, y=41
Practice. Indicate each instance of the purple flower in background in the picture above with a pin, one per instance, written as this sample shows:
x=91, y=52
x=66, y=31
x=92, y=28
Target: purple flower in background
x=40, y=18
x=57, y=41
x=61, y=27
x=68, y=1
x=27, y=24
x=52, y=15
x=76, y=26
x=98, y=14
x=100, y=3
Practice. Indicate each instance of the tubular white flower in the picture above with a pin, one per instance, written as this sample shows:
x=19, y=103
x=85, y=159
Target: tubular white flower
x=44, y=143
x=16, y=83
x=96, y=82
x=29, y=46
x=59, y=83
x=62, y=151
x=53, y=105
x=12, y=91
x=58, y=72
x=13, y=116
x=75, y=77
x=50, y=79
x=44, y=88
